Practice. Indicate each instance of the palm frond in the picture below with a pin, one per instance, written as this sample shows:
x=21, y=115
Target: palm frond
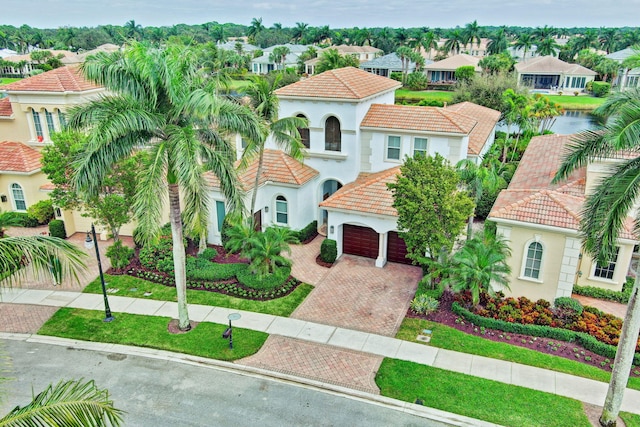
x=151, y=193
x=218, y=162
x=67, y=404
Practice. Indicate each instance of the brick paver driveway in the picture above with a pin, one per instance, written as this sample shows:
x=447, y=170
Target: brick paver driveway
x=354, y=294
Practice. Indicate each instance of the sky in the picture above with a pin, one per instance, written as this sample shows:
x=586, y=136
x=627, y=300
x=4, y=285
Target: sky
x=335, y=13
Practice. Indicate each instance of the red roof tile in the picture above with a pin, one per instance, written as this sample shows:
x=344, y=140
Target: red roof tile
x=487, y=119
x=63, y=79
x=368, y=194
x=277, y=167
x=5, y=107
x=17, y=157
x=428, y=119
x=342, y=83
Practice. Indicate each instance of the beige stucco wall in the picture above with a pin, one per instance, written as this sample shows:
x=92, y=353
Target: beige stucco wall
x=588, y=265
x=30, y=186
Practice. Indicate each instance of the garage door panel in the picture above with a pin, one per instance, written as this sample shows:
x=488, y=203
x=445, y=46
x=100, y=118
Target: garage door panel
x=362, y=241
x=396, y=249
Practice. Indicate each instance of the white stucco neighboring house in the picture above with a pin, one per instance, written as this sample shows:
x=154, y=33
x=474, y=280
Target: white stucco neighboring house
x=627, y=78
x=549, y=72
x=444, y=72
x=265, y=63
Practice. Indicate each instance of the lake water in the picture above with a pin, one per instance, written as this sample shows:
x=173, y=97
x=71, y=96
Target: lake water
x=572, y=121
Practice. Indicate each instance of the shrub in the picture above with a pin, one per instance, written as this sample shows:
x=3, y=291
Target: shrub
x=424, y=304
x=203, y=269
x=158, y=256
x=25, y=220
x=329, y=250
x=120, y=255
x=42, y=211
x=271, y=281
x=617, y=296
x=465, y=73
x=308, y=232
x=417, y=81
x=208, y=253
x=396, y=75
x=601, y=89
x=568, y=303
x=56, y=229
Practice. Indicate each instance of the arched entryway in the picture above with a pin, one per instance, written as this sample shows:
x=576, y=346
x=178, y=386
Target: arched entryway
x=327, y=189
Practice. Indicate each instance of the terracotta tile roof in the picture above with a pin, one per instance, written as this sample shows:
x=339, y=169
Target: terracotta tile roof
x=5, y=107
x=487, y=119
x=63, y=79
x=409, y=117
x=47, y=187
x=532, y=198
x=277, y=167
x=551, y=64
x=454, y=62
x=17, y=157
x=342, y=83
x=368, y=194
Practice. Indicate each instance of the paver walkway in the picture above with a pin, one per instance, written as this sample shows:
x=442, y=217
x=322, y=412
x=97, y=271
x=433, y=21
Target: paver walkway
x=610, y=307
x=582, y=389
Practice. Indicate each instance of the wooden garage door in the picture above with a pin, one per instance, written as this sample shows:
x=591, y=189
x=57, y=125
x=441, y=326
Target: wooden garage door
x=396, y=249
x=361, y=241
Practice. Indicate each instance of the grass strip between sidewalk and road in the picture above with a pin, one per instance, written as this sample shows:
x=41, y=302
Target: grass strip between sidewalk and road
x=204, y=340
x=479, y=398
x=630, y=420
x=134, y=287
x=452, y=339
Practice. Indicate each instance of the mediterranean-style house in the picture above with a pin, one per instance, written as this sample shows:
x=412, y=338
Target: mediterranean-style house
x=265, y=63
x=361, y=53
x=540, y=222
x=387, y=64
x=549, y=72
x=355, y=143
x=626, y=78
x=444, y=72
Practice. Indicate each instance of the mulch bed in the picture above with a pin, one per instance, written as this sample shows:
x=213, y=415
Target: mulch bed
x=320, y=262
x=173, y=328
x=568, y=350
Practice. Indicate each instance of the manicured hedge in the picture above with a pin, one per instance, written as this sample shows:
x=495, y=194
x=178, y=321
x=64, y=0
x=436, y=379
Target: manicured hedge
x=585, y=340
x=268, y=282
x=25, y=220
x=308, y=232
x=56, y=229
x=616, y=296
x=600, y=89
x=329, y=250
x=203, y=269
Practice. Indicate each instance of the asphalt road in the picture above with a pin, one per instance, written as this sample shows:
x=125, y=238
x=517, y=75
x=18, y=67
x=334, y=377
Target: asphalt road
x=160, y=393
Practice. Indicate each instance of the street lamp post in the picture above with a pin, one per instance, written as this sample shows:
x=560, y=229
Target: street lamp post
x=88, y=243
x=228, y=333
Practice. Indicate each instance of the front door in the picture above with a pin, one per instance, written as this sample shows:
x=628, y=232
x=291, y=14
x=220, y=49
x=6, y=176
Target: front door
x=257, y=220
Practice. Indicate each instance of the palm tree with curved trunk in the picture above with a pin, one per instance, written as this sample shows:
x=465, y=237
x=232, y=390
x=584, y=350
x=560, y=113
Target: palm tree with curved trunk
x=73, y=403
x=158, y=101
x=284, y=131
x=605, y=213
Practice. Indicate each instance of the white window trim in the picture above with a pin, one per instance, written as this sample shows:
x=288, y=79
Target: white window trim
x=594, y=264
x=13, y=199
x=523, y=263
x=275, y=209
x=413, y=145
x=386, y=149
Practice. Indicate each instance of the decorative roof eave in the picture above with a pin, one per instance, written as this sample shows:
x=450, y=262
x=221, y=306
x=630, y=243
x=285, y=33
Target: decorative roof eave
x=420, y=131
x=9, y=172
x=363, y=213
x=50, y=93
x=343, y=100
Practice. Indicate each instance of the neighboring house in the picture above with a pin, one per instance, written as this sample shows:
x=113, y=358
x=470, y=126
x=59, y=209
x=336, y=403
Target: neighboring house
x=444, y=72
x=385, y=65
x=362, y=53
x=355, y=143
x=20, y=177
x=29, y=64
x=233, y=45
x=265, y=64
x=540, y=222
x=549, y=72
x=80, y=57
x=7, y=52
x=626, y=78
x=517, y=53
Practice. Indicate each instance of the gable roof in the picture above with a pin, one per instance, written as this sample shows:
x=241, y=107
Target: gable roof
x=454, y=62
x=5, y=107
x=621, y=55
x=551, y=64
x=487, y=119
x=367, y=194
x=63, y=79
x=346, y=49
x=342, y=83
x=391, y=61
x=417, y=118
x=17, y=157
x=277, y=167
x=532, y=198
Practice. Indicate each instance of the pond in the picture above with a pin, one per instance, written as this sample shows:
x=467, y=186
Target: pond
x=572, y=121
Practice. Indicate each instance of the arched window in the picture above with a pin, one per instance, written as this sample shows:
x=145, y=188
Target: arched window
x=533, y=261
x=38, y=125
x=62, y=119
x=18, y=197
x=332, y=134
x=304, y=134
x=50, y=124
x=282, y=215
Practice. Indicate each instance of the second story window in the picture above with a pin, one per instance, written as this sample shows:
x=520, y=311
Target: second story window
x=332, y=135
x=419, y=147
x=50, y=124
x=304, y=134
x=393, y=148
x=38, y=125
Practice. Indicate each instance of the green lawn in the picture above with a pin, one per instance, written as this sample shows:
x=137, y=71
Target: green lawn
x=453, y=339
x=630, y=420
x=487, y=400
x=570, y=102
x=136, y=288
x=6, y=80
x=149, y=331
x=428, y=95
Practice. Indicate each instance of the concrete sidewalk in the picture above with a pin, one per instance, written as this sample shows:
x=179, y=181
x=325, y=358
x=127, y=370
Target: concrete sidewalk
x=582, y=389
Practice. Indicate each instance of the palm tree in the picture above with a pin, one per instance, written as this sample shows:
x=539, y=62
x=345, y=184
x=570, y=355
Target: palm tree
x=454, y=41
x=588, y=40
x=609, y=39
x=430, y=42
x=472, y=32
x=478, y=180
x=255, y=28
x=158, y=102
x=67, y=404
x=133, y=30
x=498, y=42
x=548, y=46
x=605, y=213
x=542, y=33
x=479, y=266
x=279, y=55
x=284, y=131
x=265, y=249
x=525, y=41
x=299, y=31
x=406, y=55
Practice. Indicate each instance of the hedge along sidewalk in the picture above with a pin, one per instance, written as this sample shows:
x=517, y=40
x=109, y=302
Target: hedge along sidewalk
x=583, y=389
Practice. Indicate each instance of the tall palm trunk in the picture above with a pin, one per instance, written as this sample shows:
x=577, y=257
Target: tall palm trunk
x=179, y=257
x=624, y=357
x=255, y=184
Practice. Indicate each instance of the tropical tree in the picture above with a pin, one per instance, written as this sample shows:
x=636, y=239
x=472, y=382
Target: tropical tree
x=500, y=63
x=255, y=28
x=331, y=59
x=406, y=55
x=631, y=62
x=480, y=266
x=8, y=219
x=498, y=43
x=279, y=54
x=608, y=39
x=605, y=214
x=284, y=131
x=542, y=33
x=299, y=31
x=455, y=39
x=133, y=30
x=157, y=101
x=265, y=249
x=478, y=180
x=548, y=46
x=525, y=41
x=430, y=42
x=74, y=403
x=472, y=32
x=543, y=112
x=516, y=111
